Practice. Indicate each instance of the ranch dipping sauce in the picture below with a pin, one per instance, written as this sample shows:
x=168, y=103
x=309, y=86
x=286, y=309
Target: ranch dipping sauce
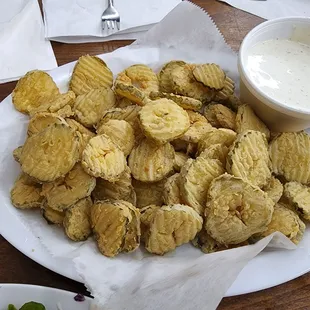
x=281, y=69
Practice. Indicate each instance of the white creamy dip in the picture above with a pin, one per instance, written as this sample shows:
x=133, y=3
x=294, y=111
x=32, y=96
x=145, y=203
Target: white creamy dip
x=281, y=69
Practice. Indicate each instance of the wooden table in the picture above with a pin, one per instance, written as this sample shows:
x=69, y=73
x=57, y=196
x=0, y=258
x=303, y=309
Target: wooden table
x=17, y=268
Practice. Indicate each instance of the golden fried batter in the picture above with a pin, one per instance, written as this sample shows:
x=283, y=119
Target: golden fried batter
x=102, y=158
x=149, y=162
x=32, y=90
x=171, y=227
x=64, y=192
x=236, y=210
x=77, y=220
x=147, y=216
x=179, y=161
x=216, y=151
x=51, y=153
x=220, y=116
x=226, y=91
x=274, y=189
x=210, y=75
x=171, y=191
x=52, y=216
x=25, y=193
x=17, y=153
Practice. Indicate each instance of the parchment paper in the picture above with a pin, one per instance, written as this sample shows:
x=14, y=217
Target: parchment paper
x=185, y=278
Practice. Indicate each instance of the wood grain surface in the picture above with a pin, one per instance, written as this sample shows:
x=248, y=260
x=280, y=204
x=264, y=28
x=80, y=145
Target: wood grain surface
x=17, y=268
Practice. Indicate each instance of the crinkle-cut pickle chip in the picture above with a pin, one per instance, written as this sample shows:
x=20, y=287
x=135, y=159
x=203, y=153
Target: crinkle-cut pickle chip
x=199, y=126
x=90, y=72
x=116, y=226
x=246, y=119
x=130, y=92
x=171, y=191
x=52, y=216
x=26, y=193
x=64, y=192
x=184, y=102
x=179, y=160
x=298, y=196
x=210, y=75
x=149, y=193
x=17, y=153
x=171, y=227
x=60, y=105
x=195, y=179
x=290, y=156
x=102, y=158
x=226, y=91
x=216, y=151
x=163, y=120
x=164, y=76
x=185, y=84
x=249, y=159
x=274, y=189
x=120, y=132
x=32, y=90
x=216, y=136
x=121, y=189
x=287, y=222
x=220, y=116
x=149, y=162
x=147, y=216
x=77, y=220
x=90, y=107
x=41, y=121
x=236, y=210
x=51, y=153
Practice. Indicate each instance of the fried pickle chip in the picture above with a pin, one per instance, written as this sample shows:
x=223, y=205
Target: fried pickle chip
x=90, y=107
x=184, y=102
x=290, y=156
x=171, y=193
x=41, y=121
x=64, y=192
x=162, y=120
x=149, y=162
x=226, y=91
x=216, y=136
x=171, y=227
x=120, y=132
x=52, y=216
x=179, y=160
x=236, y=210
x=90, y=72
x=149, y=193
x=32, y=90
x=274, y=189
x=25, y=193
x=210, y=75
x=130, y=92
x=199, y=126
x=298, y=195
x=123, y=102
x=287, y=222
x=77, y=220
x=195, y=179
x=116, y=226
x=164, y=76
x=185, y=84
x=51, y=153
x=17, y=153
x=216, y=151
x=249, y=159
x=121, y=189
x=220, y=116
x=247, y=120
x=232, y=102
x=60, y=105
x=147, y=216
x=102, y=158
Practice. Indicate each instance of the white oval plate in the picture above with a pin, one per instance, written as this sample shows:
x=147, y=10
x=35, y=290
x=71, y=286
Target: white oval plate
x=271, y=267
x=52, y=299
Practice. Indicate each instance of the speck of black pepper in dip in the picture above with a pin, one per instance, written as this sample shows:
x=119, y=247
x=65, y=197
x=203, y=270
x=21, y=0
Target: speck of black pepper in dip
x=79, y=298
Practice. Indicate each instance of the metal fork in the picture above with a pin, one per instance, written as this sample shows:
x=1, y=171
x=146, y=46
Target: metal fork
x=110, y=17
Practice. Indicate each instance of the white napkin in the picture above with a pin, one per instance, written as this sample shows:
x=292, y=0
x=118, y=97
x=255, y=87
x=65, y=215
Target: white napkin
x=270, y=9
x=23, y=46
x=77, y=21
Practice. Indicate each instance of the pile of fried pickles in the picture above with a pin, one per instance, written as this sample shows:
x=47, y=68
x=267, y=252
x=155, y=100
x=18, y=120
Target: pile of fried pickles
x=158, y=158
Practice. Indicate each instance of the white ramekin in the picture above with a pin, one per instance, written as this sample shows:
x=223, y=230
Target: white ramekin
x=277, y=116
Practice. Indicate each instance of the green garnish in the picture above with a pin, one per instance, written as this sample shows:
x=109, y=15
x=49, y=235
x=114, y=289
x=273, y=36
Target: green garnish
x=32, y=306
x=11, y=307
